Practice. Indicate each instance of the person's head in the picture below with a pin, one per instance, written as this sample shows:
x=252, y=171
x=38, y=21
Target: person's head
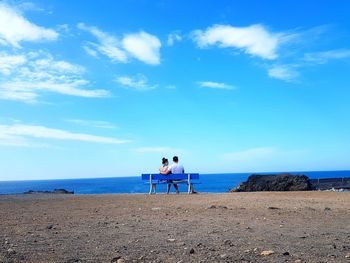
x=165, y=161
x=175, y=159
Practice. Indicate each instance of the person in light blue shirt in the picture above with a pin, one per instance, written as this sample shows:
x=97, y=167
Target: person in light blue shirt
x=176, y=168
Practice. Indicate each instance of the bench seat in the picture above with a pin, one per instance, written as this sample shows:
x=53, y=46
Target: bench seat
x=155, y=179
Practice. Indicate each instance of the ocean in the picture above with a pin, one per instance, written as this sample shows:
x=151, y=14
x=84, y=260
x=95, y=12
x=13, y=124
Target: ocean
x=211, y=183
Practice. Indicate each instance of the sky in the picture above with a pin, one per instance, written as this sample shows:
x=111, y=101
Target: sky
x=108, y=88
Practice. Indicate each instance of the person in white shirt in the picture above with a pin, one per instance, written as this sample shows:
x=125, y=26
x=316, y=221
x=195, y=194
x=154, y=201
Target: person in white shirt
x=175, y=168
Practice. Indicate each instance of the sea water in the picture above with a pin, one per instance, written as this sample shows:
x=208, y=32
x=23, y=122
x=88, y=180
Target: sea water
x=211, y=183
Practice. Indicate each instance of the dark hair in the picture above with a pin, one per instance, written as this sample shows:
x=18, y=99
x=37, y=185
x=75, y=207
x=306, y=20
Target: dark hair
x=175, y=159
x=164, y=160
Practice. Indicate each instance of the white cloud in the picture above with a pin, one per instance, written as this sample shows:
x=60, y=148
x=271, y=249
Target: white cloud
x=325, y=56
x=254, y=40
x=170, y=87
x=14, y=28
x=29, y=6
x=108, y=45
x=139, y=82
x=25, y=77
x=21, y=135
x=283, y=72
x=215, y=85
x=10, y=62
x=92, y=52
x=92, y=123
x=172, y=38
x=142, y=46
x=252, y=154
x=160, y=149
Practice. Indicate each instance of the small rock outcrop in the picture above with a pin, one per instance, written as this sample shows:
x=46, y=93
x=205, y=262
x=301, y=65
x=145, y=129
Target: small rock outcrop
x=274, y=182
x=55, y=191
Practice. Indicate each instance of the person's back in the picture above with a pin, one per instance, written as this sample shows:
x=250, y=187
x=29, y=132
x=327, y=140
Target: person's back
x=177, y=169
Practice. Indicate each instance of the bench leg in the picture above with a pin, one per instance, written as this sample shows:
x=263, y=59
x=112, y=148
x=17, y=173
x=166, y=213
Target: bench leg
x=151, y=187
x=189, y=188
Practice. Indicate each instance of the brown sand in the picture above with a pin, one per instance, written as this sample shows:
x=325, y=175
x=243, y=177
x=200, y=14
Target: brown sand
x=236, y=227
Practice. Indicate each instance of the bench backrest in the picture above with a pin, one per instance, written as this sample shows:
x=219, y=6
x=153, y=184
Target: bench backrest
x=193, y=176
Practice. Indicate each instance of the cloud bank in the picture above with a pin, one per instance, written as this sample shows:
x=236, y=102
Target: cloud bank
x=20, y=135
x=26, y=76
x=15, y=28
x=254, y=40
x=141, y=46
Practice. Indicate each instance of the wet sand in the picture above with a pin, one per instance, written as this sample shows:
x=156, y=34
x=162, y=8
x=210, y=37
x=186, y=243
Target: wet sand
x=233, y=227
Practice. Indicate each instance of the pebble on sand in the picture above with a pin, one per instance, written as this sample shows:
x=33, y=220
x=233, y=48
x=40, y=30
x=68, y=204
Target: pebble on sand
x=267, y=252
x=118, y=259
x=11, y=251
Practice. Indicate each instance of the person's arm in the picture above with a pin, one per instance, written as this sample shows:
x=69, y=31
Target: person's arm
x=169, y=169
x=163, y=170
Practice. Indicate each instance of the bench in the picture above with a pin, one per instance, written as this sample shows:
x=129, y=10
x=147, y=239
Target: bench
x=155, y=179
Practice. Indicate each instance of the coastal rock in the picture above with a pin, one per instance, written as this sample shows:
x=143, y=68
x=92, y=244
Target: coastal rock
x=55, y=191
x=275, y=182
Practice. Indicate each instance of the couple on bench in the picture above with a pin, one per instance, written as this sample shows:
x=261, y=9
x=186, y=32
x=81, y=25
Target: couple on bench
x=175, y=168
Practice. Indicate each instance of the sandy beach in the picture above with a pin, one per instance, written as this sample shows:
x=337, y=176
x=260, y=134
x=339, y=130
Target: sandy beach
x=235, y=227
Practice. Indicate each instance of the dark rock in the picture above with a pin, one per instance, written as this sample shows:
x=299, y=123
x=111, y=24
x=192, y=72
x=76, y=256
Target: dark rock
x=115, y=259
x=50, y=226
x=273, y=208
x=286, y=253
x=217, y=206
x=11, y=251
x=192, y=251
x=275, y=182
x=228, y=242
x=55, y=191
x=327, y=209
x=72, y=260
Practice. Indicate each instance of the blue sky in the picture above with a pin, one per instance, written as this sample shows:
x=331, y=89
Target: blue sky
x=107, y=88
